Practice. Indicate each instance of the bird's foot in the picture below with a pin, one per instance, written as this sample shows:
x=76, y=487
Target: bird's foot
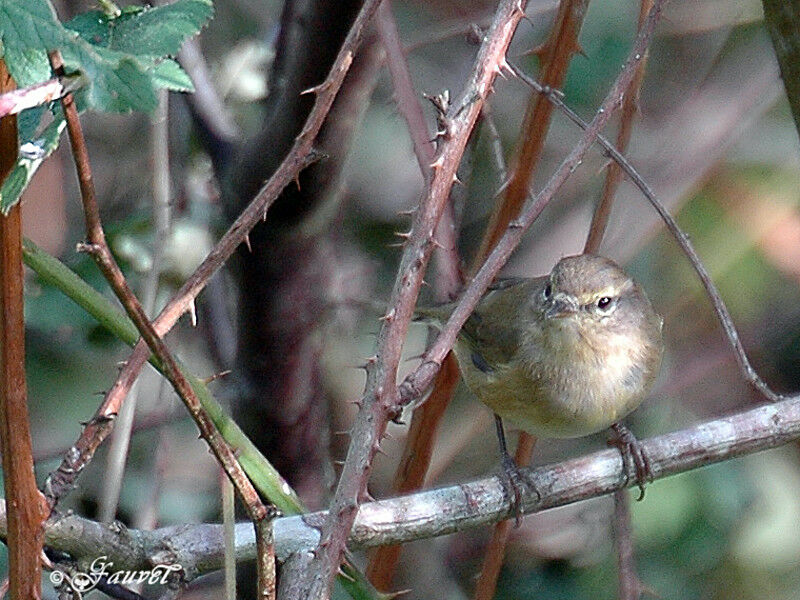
x=634, y=458
x=514, y=484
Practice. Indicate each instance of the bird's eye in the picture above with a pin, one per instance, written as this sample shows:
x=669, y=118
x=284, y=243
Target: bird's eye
x=548, y=290
x=604, y=303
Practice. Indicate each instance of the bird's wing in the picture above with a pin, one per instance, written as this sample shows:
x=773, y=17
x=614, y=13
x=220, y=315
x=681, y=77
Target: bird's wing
x=492, y=331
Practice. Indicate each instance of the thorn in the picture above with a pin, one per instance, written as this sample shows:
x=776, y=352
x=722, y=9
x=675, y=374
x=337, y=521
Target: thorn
x=403, y=234
x=436, y=164
x=407, y=213
x=316, y=89
x=345, y=432
x=456, y=180
x=297, y=181
x=372, y=359
x=216, y=376
x=247, y=243
x=366, y=496
x=345, y=575
x=397, y=594
x=389, y=316
x=193, y=312
x=356, y=402
x=507, y=67
x=338, y=463
x=537, y=51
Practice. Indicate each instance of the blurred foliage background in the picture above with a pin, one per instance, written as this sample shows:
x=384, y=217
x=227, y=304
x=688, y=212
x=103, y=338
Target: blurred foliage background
x=715, y=140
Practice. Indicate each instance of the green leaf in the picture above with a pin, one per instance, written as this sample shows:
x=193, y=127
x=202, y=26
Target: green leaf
x=124, y=57
x=33, y=151
x=168, y=74
x=154, y=31
x=27, y=31
x=118, y=82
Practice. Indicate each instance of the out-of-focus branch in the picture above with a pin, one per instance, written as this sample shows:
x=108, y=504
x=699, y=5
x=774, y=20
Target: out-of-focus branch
x=199, y=548
x=783, y=23
x=379, y=401
x=630, y=587
x=217, y=127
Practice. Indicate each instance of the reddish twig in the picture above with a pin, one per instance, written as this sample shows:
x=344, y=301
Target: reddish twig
x=98, y=249
x=630, y=587
x=380, y=397
x=496, y=549
x=413, y=467
x=27, y=513
x=299, y=157
x=555, y=55
x=614, y=173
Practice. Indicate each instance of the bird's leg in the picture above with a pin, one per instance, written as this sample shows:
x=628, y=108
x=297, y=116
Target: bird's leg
x=513, y=480
x=632, y=452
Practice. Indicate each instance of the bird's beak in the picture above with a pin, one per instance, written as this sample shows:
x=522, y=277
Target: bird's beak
x=560, y=306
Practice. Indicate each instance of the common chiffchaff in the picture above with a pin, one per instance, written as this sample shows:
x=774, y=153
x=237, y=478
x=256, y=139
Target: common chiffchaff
x=564, y=355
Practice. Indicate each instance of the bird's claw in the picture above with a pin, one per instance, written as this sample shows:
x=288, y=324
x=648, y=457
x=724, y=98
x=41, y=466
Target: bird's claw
x=634, y=458
x=514, y=482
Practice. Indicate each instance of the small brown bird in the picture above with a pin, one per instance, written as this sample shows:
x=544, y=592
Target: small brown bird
x=564, y=355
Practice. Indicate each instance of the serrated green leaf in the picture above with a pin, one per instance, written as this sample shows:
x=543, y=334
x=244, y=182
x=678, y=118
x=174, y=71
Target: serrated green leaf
x=153, y=31
x=119, y=83
x=122, y=57
x=27, y=30
x=33, y=151
x=168, y=74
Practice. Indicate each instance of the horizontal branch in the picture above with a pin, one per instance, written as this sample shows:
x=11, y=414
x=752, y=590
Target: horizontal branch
x=38, y=94
x=199, y=548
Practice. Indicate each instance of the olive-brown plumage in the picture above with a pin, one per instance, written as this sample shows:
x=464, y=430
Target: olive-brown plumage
x=564, y=355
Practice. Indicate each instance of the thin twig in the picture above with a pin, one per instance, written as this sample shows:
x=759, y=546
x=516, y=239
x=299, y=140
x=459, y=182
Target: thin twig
x=748, y=372
x=98, y=249
x=205, y=101
x=300, y=156
x=630, y=588
x=380, y=398
x=200, y=548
